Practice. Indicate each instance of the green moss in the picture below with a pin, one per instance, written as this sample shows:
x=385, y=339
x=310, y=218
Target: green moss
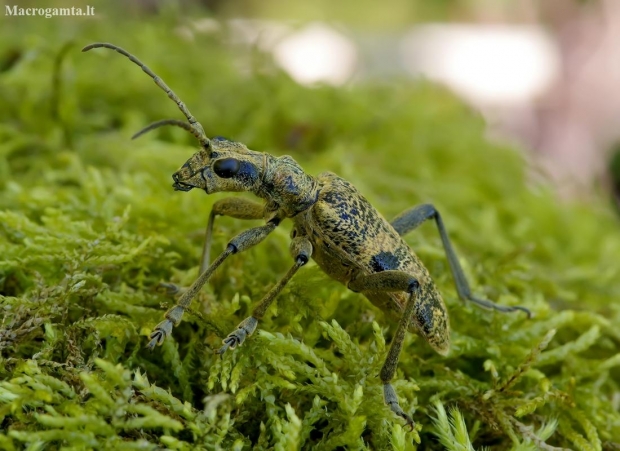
x=90, y=226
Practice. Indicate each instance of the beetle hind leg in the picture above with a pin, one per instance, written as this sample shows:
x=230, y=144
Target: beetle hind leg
x=412, y=218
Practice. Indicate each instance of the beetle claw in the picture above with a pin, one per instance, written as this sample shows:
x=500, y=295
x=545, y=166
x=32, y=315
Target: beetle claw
x=229, y=342
x=157, y=338
x=159, y=334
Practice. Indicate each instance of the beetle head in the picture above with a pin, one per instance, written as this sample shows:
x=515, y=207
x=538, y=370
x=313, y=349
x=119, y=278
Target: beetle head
x=222, y=166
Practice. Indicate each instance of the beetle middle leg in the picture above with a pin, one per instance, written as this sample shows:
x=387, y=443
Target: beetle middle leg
x=412, y=218
x=234, y=207
x=301, y=250
x=393, y=281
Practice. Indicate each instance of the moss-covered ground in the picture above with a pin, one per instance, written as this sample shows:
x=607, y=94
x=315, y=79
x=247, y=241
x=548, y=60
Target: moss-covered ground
x=89, y=226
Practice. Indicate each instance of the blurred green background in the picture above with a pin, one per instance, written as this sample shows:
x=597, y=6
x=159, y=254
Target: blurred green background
x=91, y=225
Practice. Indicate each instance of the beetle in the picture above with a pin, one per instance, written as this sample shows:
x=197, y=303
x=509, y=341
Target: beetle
x=332, y=223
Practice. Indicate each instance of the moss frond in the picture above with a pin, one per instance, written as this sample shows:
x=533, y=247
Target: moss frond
x=450, y=429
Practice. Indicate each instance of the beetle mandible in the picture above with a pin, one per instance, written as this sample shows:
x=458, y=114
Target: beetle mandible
x=332, y=223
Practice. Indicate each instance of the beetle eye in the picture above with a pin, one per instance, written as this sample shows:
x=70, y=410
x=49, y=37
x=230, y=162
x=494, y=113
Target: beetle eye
x=226, y=167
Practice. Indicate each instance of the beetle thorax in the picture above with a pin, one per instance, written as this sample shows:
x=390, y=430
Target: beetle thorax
x=285, y=183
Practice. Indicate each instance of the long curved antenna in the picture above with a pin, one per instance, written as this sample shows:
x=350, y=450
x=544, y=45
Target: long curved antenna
x=196, y=129
x=184, y=125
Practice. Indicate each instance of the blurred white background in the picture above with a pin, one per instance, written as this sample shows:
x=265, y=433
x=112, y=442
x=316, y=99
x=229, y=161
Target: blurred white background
x=544, y=74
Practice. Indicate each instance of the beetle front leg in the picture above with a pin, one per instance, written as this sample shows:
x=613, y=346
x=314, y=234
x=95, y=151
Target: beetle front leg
x=301, y=250
x=240, y=243
x=234, y=207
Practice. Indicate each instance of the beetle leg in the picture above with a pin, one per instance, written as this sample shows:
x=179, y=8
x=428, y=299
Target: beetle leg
x=240, y=243
x=301, y=250
x=412, y=218
x=392, y=281
x=235, y=207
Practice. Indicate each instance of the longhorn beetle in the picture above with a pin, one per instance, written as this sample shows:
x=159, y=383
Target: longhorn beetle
x=332, y=223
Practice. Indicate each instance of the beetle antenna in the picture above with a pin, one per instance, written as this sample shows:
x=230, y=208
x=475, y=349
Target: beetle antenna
x=195, y=126
x=204, y=142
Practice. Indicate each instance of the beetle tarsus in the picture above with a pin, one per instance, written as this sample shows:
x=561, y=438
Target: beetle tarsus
x=162, y=330
x=389, y=395
x=238, y=336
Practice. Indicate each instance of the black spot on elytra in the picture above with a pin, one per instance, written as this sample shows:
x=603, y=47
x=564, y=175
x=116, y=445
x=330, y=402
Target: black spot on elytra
x=384, y=261
x=425, y=316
